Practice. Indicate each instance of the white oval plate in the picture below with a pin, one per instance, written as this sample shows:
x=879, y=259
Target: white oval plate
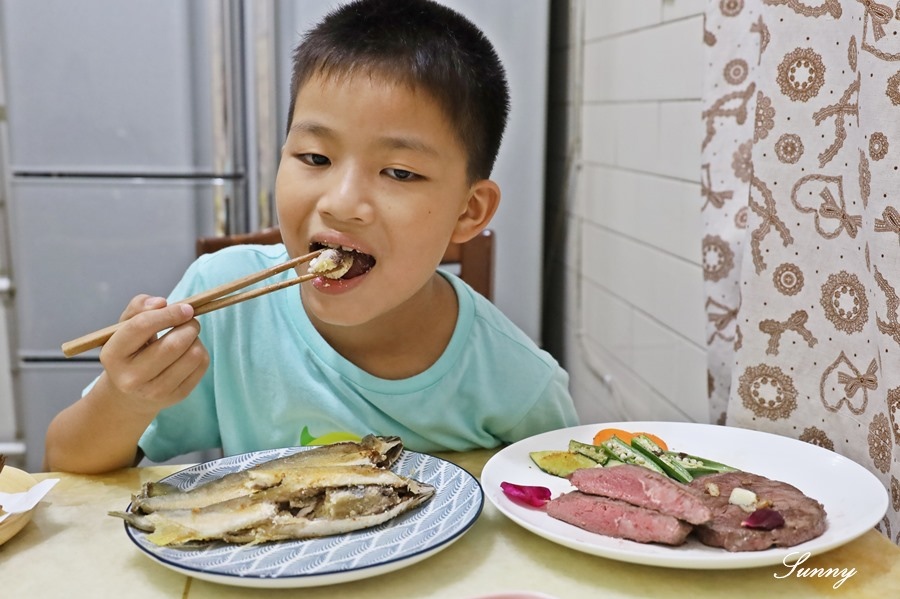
x=854, y=499
x=401, y=542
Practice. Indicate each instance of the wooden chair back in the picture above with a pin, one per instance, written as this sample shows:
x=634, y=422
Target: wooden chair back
x=474, y=259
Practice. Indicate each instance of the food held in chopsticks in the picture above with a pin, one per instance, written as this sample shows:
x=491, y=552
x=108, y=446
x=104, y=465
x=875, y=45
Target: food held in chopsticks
x=339, y=262
x=633, y=487
x=332, y=263
x=324, y=491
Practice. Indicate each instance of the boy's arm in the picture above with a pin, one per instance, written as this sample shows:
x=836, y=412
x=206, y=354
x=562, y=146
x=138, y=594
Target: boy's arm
x=142, y=375
x=98, y=433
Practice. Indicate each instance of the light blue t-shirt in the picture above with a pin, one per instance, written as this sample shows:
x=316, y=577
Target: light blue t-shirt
x=273, y=381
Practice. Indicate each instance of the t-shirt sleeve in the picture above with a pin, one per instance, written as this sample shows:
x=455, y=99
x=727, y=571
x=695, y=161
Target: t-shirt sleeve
x=553, y=409
x=190, y=425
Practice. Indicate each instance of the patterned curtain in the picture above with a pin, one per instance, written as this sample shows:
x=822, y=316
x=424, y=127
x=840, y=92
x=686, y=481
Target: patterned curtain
x=801, y=189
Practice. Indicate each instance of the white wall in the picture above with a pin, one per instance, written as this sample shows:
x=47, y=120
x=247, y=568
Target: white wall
x=627, y=180
x=10, y=442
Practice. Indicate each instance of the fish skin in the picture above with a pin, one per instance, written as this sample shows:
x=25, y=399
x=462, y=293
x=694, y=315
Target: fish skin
x=176, y=527
x=380, y=452
x=310, y=480
x=309, y=502
x=284, y=526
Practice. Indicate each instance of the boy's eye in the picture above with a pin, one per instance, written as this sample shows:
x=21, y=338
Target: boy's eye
x=314, y=159
x=400, y=174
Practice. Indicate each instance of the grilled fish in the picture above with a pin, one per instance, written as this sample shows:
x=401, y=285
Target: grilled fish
x=380, y=452
x=307, y=499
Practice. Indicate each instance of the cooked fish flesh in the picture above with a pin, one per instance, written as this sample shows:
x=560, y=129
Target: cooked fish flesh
x=332, y=263
x=310, y=499
x=309, y=502
x=341, y=511
x=381, y=452
x=176, y=527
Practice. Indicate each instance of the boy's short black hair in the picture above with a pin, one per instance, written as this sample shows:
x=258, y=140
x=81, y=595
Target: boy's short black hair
x=423, y=44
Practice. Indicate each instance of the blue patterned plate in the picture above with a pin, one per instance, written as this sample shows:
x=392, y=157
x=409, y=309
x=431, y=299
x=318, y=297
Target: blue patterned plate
x=403, y=541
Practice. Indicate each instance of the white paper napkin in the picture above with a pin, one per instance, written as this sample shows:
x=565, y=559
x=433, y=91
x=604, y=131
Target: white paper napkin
x=15, y=503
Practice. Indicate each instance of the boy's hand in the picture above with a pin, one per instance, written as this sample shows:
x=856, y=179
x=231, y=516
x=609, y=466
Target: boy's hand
x=153, y=373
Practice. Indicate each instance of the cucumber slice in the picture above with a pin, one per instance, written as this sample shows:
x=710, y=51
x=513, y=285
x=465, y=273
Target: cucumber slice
x=561, y=463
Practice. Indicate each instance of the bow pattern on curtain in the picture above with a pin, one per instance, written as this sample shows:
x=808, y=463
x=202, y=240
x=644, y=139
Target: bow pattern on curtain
x=800, y=179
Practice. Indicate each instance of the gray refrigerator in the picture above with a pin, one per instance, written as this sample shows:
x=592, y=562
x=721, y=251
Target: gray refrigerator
x=135, y=126
x=128, y=130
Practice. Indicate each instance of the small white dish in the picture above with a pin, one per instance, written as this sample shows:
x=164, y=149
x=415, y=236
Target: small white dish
x=13, y=480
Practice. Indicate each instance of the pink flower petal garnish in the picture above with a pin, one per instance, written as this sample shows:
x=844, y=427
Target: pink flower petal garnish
x=763, y=519
x=526, y=494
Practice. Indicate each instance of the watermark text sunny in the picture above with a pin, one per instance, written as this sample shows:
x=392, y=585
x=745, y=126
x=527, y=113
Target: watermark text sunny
x=842, y=574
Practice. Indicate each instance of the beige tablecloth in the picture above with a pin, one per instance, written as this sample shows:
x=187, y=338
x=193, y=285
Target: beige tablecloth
x=71, y=548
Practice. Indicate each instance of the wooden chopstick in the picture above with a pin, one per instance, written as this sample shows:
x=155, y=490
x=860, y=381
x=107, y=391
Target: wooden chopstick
x=206, y=301
x=230, y=300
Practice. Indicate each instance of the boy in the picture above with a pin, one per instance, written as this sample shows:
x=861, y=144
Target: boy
x=398, y=108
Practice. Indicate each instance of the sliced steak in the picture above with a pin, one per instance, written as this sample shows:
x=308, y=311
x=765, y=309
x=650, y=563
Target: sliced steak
x=804, y=517
x=644, y=488
x=616, y=518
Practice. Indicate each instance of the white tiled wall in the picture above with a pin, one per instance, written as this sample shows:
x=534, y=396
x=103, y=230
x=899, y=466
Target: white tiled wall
x=627, y=188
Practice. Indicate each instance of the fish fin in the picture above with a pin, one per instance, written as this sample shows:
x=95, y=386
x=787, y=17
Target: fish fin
x=171, y=533
x=158, y=489
x=136, y=520
x=389, y=448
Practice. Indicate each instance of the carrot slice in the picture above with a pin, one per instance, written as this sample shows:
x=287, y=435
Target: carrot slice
x=608, y=433
x=625, y=436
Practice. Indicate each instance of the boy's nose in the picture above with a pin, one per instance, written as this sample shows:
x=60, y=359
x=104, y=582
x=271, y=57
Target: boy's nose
x=348, y=198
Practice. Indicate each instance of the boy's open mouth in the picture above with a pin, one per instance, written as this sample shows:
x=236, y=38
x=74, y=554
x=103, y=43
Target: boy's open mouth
x=339, y=262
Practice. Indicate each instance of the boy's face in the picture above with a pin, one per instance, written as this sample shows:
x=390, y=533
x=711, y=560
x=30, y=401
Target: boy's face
x=375, y=167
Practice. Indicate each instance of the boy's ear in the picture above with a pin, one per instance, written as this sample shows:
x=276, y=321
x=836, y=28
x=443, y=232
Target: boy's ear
x=484, y=198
